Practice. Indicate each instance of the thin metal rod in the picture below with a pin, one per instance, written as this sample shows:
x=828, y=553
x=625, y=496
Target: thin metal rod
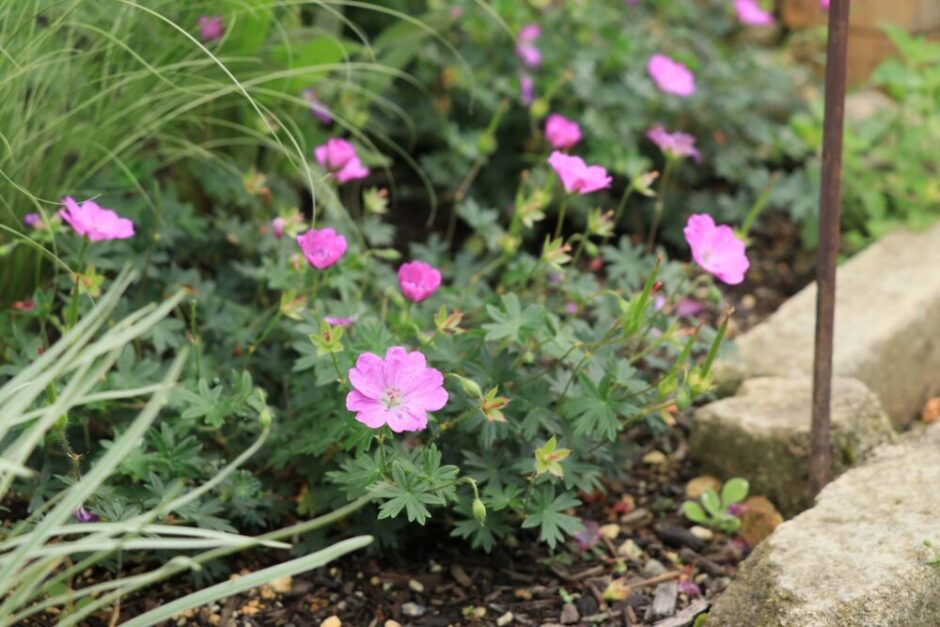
x=830, y=198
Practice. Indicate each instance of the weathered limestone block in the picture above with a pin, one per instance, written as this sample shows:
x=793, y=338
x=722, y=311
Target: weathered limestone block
x=857, y=558
x=762, y=434
x=887, y=327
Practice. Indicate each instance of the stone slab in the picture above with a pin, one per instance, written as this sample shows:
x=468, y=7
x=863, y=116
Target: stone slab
x=762, y=434
x=857, y=558
x=887, y=327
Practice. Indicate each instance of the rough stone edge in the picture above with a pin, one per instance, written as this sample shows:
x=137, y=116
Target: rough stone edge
x=711, y=436
x=756, y=588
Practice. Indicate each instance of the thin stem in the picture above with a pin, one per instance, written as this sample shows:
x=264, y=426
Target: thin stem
x=72, y=313
x=660, y=203
x=561, y=216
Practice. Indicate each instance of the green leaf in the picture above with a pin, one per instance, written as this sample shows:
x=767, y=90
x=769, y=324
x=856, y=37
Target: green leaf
x=512, y=322
x=711, y=502
x=694, y=512
x=547, y=513
x=734, y=491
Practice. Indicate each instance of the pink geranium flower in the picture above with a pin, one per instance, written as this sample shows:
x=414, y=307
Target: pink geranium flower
x=339, y=158
x=561, y=132
x=525, y=45
x=751, y=13
x=716, y=248
x=94, y=222
x=824, y=4
x=322, y=248
x=675, y=145
x=418, y=280
x=671, y=76
x=576, y=176
x=397, y=391
x=210, y=27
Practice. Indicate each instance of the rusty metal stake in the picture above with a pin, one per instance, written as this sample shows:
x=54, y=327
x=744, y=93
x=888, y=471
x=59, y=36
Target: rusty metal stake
x=830, y=198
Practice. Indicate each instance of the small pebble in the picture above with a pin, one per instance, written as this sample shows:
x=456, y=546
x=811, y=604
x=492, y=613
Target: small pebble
x=392, y=623
x=522, y=593
x=610, y=531
x=282, y=585
x=655, y=458
x=375, y=581
x=332, y=621
x=505, y=619
x=413, y=610
x=703, y=533
x=415, y=585
x=569, y=614
x=653, y=568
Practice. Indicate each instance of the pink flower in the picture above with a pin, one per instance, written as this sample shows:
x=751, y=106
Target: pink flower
x=716, y=249
x=352, y=171
x=335, y=154
x=418, y=280
x=671, y=76
x=525, y=45
x=576, y=176
x=322, y=247
x=277, y=226
x=27, y=305
x=571, y=308
x=339, y=321
x=561, y=132
x=824, y=4
x=526, y=89
x=95, y=223
x=397, y=391
x=675, y=145
x=317, y=108
x=33, y=220
x=751, y=13
x=210, y=27
x=338, y=157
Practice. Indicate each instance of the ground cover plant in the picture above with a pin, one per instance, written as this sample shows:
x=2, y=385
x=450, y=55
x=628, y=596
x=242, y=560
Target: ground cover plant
x=455, y=324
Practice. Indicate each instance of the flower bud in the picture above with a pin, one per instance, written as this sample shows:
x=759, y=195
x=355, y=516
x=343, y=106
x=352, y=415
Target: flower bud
x=479, y=511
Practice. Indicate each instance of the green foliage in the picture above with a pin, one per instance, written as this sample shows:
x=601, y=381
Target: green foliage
x=551, y=346
x=713, y=510
x=593, y=69
x=47, y=548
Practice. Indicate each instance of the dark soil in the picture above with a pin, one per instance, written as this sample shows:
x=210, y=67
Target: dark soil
x=780, y=267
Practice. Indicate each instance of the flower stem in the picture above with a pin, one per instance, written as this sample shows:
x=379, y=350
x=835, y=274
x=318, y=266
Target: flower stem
x=660, y=204
x=561, y=216
x=72, y=313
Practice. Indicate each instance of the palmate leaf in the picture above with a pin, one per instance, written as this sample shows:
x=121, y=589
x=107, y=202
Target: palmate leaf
x=595, y=408
x=403, y=494
x=547, y=512
x=512, y=322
